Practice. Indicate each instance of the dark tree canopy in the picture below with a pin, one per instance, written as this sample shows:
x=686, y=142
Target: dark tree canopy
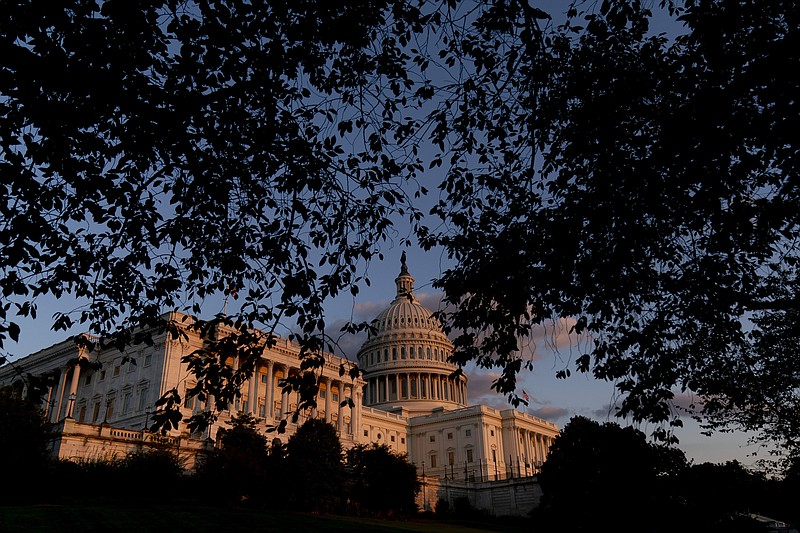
x=24, y=438
x=241, y=462
x=642, y=186
x=384, y=482
x=314, y=461
x=594, y=469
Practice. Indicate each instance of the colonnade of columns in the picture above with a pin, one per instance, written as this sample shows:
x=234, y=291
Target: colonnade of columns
x=533, y=447
x=275, y=408
x=415, y=386
x=60, y=401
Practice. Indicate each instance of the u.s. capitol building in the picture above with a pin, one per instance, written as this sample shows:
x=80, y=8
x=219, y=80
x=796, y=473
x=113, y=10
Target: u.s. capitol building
x=407, y=398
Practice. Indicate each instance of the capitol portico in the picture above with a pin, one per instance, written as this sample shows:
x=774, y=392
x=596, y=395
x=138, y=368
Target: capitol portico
x=409, y=397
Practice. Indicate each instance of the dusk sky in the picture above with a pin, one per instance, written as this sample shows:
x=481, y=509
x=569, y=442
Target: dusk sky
x=553, y=349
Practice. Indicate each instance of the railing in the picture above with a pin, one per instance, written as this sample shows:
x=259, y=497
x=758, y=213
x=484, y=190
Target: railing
x=481, y=472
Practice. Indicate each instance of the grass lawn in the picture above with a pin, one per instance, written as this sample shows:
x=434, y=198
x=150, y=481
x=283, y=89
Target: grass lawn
x=199, y=519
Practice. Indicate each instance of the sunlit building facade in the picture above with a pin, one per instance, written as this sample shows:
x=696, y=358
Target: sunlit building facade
x=407, y=397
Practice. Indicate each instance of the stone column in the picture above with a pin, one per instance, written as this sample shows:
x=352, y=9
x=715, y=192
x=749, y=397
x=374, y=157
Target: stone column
x=252, y=395
x=537, y=443
x=528, y=450
x=284, y=394
x=73, y=390
x=270, y=391
x=328, y=394
x=62, y=382
x=355, y=419
x=340, y=417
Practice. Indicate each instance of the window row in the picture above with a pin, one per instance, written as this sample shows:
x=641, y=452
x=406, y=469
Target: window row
x=406, y=352
x=100, y=375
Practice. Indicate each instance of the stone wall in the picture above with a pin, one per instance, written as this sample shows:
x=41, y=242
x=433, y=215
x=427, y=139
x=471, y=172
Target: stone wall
x=507, y=497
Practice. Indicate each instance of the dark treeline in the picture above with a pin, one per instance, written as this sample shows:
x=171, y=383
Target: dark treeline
x=595, y=475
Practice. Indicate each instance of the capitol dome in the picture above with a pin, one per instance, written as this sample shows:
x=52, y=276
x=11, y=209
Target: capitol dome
x=405, y=359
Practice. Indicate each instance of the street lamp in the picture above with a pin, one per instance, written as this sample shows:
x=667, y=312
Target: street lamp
x=71, y=405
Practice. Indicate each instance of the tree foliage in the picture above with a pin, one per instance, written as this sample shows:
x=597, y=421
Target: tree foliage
x=641, y=185
x=314, y=458
x=384, y=482
x=24, y=439
x=603, y=476
x=599, y=468
x=242, y=462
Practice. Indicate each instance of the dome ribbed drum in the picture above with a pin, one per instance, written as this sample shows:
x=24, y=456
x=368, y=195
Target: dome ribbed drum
x=405, y=359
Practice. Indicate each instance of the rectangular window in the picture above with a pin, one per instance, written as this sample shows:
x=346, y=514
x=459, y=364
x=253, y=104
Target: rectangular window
x=469, y=455
x=127, y=400
x=322, y=393
x=491, y=432
x=433, y=461
x=116, y=371
x=102, y=375
x=433, y=438
x=148, y=359
x=87, y=380
x=366, y=433
x=402, y=440
x=449, y=436
x=263, y=378
x=468, y=433
x=142, y=399
x=402, y=352
x=451, y=457
x=131, y=365
x=82, y=415
x=188, y=402
x=110, y=408
x=96, y=412
x=391, y=438
x=394, y=354
x=335, y=396
x=262, y=410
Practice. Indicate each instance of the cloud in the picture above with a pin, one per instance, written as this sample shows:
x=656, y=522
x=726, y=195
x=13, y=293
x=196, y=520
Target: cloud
x=347, y=344
x=551, y=413
x=434, y=301
x=366, y=311
x=683, y=404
